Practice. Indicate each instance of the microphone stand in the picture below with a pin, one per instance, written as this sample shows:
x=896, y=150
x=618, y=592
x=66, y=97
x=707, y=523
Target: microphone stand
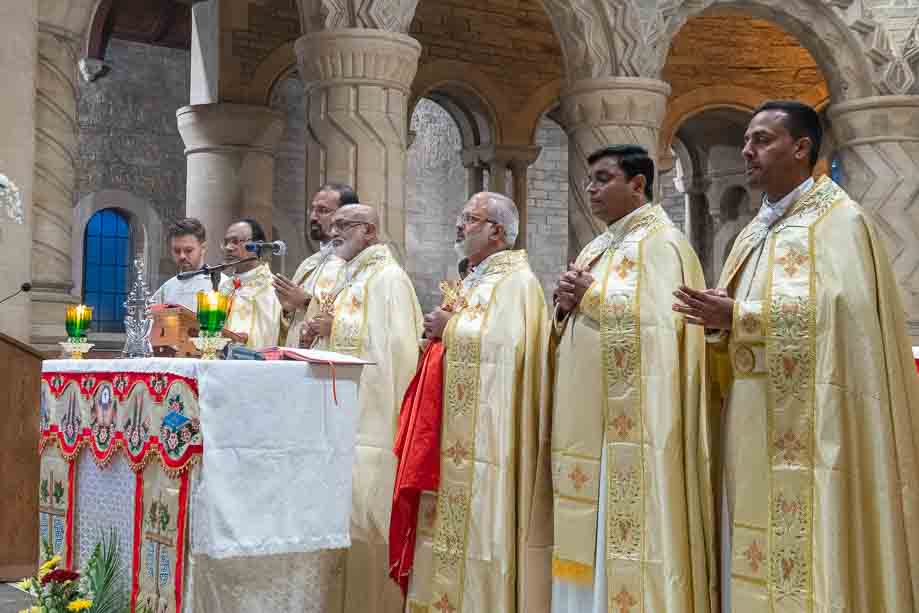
x=214, y=271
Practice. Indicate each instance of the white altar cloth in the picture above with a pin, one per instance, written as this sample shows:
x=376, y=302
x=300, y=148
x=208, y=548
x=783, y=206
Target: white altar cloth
x=273, y=488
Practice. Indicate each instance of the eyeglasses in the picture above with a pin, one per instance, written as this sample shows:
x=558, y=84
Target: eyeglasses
x=343, y=226
x=467, y=219
x=321, y=210
x=599, y=180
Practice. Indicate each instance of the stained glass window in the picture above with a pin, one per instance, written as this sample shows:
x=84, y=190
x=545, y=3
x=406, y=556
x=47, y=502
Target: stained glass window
x=106, y=264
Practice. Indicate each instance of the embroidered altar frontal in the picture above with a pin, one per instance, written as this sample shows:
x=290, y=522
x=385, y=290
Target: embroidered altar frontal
x=149, y=420
x=123, y=446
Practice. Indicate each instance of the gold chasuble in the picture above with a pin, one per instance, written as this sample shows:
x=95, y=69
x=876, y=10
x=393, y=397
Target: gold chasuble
x=377, y=318
x=319, y=275
x=631, y=453
x=254, y=307
x=821, y=417
x=484, y=538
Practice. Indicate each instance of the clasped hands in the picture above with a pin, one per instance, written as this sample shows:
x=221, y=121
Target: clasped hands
x=436, y=321
x=319, y=326
x=711, y=308
x=570, y=289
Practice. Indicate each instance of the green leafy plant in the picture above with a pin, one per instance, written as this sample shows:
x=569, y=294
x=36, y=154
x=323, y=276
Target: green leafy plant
x=103, y=575
x=97, y=589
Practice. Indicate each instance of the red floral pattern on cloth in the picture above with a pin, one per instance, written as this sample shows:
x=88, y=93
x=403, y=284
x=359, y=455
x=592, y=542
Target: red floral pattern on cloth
x=126, y=425
x=125, y=411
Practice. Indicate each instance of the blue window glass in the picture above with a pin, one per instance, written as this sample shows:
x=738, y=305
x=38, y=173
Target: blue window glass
x=836, y=171
x=106, y=266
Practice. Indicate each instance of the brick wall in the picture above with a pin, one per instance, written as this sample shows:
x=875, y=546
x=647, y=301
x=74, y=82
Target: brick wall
x=739, y=50
x=271, y=23
x=290, y=198
x=547, y=232
x=510, y=40
x=435, y=194
x=128, y=136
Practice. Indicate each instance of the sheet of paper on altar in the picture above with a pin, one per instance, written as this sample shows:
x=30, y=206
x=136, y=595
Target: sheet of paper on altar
x=278, y=452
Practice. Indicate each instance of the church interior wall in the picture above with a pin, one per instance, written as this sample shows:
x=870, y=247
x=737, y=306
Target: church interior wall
x=128, y=139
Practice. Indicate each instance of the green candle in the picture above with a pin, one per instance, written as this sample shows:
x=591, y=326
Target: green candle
x=212, y=311
x=77, y=320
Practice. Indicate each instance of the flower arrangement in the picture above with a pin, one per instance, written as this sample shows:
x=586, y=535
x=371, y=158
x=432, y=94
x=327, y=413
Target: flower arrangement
x=55, y=589
x=10, y=200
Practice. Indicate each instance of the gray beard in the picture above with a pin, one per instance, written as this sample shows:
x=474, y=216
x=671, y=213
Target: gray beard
x=460, y=248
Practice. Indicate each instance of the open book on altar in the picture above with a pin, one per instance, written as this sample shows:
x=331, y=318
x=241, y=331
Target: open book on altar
x=314, y=356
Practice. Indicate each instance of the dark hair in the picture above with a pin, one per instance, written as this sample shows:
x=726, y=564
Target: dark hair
x=346, y=193
x=258, y=234
x=801, y=121
x=188, y=226
x=633, y=160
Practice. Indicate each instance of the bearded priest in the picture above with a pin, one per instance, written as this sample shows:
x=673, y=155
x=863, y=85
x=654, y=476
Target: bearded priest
x=375, y=316
x=631, y=448
x=254, y=312
x=318, y=276
x=821, y=413
x=484, y=536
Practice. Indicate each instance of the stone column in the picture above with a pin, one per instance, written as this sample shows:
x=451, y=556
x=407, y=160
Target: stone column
x=475, y=176
x=521, y=161
x=230, y=154
x=878, y=147
x=56, y=151
x=601, y=112
x=18, y=73
x=357, y=88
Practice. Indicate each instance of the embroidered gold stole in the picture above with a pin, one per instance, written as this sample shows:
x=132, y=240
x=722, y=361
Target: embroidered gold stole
x=349, y=329
x=462, y=338
x=613, y=302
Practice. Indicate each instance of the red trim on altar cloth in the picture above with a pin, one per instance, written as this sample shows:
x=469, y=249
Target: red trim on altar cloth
x=138, y=530
x=157, y=383
x=180, y=538
x=71, y=486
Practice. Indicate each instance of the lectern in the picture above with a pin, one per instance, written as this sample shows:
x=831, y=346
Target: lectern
x=20, y=383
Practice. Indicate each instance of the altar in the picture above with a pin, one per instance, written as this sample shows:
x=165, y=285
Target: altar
x=228, y=482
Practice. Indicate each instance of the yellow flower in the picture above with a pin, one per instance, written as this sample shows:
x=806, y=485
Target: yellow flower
x=25, y=585
x=79, y=605
x=48, y=566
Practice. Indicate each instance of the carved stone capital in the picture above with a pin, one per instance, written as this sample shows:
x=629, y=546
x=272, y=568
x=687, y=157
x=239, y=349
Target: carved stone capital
x=622, y=101
x=224, y=126
x=878, y=149
x=875, y=119
x=358, y=56
x=508, y=156
x=390, y=15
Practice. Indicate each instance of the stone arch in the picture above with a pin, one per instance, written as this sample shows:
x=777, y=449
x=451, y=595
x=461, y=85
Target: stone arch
x=272, y=69
x=473, y=100
x=683, y=108
x=146, y=232
x=527, y=119
x=850, y=48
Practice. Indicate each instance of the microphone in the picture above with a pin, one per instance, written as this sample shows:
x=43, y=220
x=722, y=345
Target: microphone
x=277, y=247
x=25, y=287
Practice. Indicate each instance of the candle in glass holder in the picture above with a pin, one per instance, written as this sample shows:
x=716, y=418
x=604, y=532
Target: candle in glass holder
x=212, y=311
x=77, y=320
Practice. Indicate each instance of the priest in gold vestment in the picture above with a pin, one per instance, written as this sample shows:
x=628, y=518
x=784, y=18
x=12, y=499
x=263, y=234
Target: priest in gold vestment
x=821, y=400
x=376, y=316
x=318, y=276
x=254, y=311
x=484, y=538
x=631, y=441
